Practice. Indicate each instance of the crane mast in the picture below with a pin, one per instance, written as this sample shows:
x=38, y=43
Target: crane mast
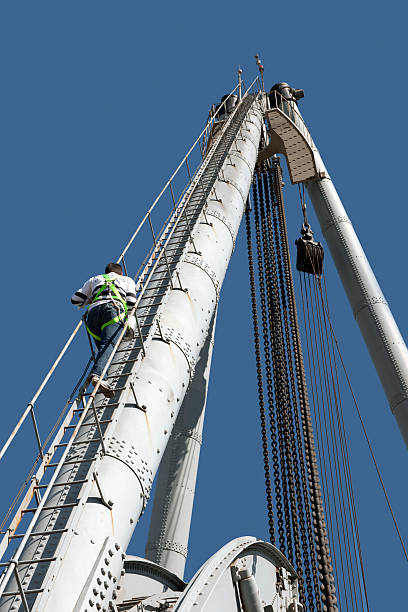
x=73, y=554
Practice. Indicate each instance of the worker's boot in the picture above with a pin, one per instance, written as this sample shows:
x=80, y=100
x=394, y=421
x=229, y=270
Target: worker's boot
x=104, y=387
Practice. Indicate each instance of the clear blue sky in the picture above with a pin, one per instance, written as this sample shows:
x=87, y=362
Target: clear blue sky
x=99, y=102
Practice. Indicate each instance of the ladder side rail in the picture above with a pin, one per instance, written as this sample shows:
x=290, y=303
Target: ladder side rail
x=92, y=397
x=36, y=479
x=31, y=404
x=169, y=181
x=150, y=275
x=195, y=180
x=89, y=403
x=181, y=208
x=41, y=471
x=44, y=498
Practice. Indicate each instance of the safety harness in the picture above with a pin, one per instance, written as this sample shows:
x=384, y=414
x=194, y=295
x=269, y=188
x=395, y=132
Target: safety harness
x=110, y=285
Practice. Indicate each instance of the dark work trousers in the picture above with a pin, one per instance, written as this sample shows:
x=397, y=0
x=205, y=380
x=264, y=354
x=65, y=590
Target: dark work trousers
x=97, y=316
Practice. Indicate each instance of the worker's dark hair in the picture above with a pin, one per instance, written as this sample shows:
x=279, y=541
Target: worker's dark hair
x=113, y=267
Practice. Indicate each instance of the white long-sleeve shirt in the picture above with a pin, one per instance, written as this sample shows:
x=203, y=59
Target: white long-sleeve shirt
x=124, y=284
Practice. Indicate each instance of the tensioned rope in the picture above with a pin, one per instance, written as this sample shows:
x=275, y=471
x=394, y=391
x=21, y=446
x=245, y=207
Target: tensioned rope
x=324, y=299
x=323, y=354
x=333, y=451
x=320, y=297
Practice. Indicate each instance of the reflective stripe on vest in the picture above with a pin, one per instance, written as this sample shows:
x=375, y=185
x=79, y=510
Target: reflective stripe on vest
x=110, y=284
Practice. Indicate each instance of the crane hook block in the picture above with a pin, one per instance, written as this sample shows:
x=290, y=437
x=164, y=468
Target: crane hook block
x=310, y=254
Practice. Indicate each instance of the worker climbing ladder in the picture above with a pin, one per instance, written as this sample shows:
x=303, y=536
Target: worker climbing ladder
x=65, y=546
x=87, y=434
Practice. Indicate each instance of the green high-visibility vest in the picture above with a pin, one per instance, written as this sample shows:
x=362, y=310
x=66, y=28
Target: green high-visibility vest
x=110, y=284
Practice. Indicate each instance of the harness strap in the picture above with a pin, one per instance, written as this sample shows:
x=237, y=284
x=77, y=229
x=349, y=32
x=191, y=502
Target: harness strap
x=110, y=284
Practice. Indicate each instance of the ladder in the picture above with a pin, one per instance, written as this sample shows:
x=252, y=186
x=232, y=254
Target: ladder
x=70, y=467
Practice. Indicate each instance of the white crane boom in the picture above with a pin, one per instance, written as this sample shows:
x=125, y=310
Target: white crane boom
x=73, y=554
x=289, y=135
x=78, y=539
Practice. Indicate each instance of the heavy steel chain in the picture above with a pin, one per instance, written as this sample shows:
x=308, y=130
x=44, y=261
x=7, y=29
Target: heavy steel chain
x=276, y=464
x=264, y=436
x=302, y=489
x=294, y=438
x=328, y=594
x=301, y=526
x=282, y=403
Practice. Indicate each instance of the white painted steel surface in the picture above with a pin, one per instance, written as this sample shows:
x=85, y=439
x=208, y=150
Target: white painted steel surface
x=372, y=313
x=370, y=308
x=169, y=531
x=138, y=440
x=215, y=586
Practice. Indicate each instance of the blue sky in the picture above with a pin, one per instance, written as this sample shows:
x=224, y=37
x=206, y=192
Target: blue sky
x=100, y=100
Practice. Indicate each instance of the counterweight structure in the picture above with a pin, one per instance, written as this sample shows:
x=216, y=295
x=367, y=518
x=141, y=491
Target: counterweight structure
x=73, y=554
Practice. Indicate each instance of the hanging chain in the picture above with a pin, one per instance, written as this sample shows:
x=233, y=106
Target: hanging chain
x=276, y=464
x=281, y=379
x=260, y=381
x=301, y=526
x=303, y=563
x=321, y=540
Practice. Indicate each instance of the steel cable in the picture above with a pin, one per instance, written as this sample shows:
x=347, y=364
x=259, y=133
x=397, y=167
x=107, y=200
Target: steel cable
x=333, y=452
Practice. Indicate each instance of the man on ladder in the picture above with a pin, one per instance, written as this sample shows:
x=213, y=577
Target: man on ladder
x=109, y=297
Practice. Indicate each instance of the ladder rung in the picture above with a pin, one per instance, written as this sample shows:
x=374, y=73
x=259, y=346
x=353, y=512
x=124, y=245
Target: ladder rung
x=130, y=349
x=83, y=425
x=100, y=408
x=124, y=362
x=61, y=507
x=119, y=389
x=28, y=592
x=118, y=376
x=176, y=248
x=156, y=279
x=62, y=484
x=103, y=422
x=144, y=316
x=149, y=306
x=30, y=561
x=152, y=297
x=50, y=508
x=159, y=286
x=64, y=444
x=71, y=462
x=38, y=533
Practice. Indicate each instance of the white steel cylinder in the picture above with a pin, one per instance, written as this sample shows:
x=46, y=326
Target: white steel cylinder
x=134, y=450
x=371, y=311
x=167, y=544
x=249, y=592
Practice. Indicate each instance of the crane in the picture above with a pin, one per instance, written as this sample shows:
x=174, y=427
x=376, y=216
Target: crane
x=91, y=483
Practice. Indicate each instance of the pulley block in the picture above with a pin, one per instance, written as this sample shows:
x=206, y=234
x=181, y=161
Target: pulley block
x=310, y=254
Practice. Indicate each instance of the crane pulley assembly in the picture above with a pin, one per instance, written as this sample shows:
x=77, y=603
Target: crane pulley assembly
x=64, y=540
x=310, y=254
